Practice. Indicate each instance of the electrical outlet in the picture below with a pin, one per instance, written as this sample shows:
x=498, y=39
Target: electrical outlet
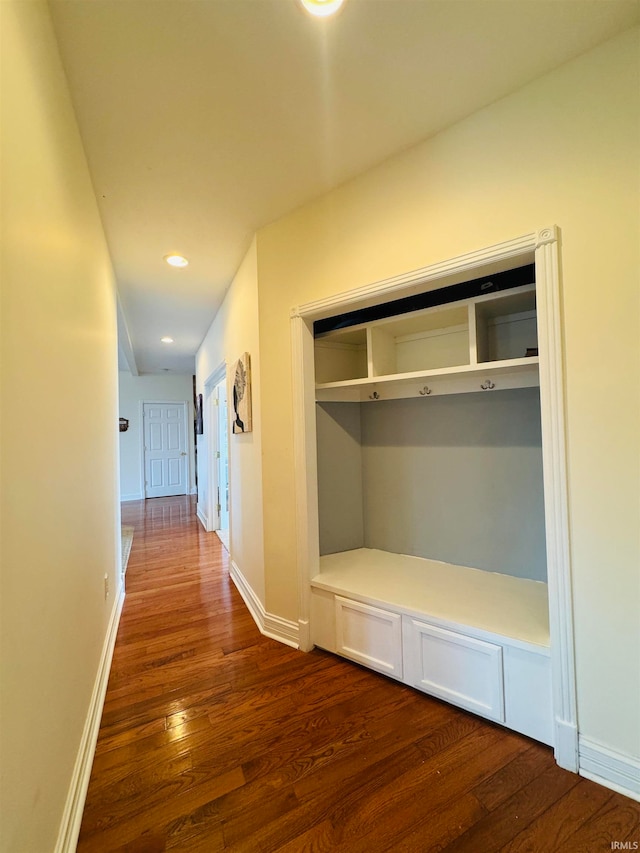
x=106, y=587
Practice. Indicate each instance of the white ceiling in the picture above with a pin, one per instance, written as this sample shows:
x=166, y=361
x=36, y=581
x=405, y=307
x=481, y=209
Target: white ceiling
x=204, y=120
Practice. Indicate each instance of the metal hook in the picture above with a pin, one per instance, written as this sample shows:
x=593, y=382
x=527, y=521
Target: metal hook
x=374, y=396
x=488, y=385
x=424, y=392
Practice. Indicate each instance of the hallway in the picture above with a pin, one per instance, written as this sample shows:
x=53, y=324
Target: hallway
x=215, y=738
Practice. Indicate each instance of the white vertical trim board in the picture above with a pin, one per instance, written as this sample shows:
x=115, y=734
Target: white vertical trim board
x=541, y=246
x=143, y=475
x=211, y=440
x=612, y=769
x=268, y=624
x=74, y=806
x=554, y=469
x=304, y=448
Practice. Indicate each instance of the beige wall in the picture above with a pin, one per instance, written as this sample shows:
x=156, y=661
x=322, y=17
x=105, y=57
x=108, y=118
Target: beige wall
x=563, y=150
x=132, y=392
x=59, y=434
x=234, y=331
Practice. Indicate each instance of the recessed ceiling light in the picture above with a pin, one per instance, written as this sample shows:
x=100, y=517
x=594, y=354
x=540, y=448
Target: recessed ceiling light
x=176, y=260
x=322, y=8
x=167, y=340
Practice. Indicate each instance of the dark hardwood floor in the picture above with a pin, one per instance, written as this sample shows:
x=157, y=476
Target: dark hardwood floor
x=214, y=738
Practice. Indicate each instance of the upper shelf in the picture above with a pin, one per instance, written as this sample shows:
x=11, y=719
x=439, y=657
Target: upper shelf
x=492, y=376
x=476, y=344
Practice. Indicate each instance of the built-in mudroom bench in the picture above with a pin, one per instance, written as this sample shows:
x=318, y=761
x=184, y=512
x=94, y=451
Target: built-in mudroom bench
x=477, y=639
x=433, y=541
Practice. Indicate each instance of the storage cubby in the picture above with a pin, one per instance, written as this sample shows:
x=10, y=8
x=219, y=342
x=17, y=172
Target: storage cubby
x=506, y=326
x=482, y=343
x=341, y=356
x=423, y=341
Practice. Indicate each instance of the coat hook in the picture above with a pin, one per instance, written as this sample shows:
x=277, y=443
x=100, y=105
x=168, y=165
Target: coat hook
x=488, y=385
x=425, y=391
x=374, y=396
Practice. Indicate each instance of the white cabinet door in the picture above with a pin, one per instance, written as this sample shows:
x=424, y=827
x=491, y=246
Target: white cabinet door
x=460, y=669
x=369, y=635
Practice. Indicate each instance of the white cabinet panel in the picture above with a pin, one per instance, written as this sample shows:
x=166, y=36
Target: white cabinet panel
x=462, y=670
x=323, y=620
x=527, y=685
x=369, y=635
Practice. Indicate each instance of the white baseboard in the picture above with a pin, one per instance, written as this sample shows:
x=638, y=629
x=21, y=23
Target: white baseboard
x=74, y=806
x=133, y=497
x=269, y=624
x=612, y=769
x=202, y=517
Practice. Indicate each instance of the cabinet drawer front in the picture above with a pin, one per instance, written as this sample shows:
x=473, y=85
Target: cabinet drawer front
x=369, y=635
x=454, y=667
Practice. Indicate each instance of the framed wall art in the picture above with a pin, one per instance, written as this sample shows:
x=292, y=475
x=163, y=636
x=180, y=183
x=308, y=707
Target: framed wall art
x=241, y=411
x=199, y=417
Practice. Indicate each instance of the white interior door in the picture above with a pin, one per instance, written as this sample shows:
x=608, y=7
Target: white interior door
x=165, y=449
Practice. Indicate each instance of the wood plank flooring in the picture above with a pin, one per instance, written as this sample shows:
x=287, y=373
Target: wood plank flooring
x=216, y=738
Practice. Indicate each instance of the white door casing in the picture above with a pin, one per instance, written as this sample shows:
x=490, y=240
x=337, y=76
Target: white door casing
x=166, y=457
x=222, y=460
x=216, y=429
x=213, y=513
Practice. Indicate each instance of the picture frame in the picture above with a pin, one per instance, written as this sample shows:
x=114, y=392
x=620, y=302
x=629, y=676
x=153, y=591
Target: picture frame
x=241, y=402
x=199, y=418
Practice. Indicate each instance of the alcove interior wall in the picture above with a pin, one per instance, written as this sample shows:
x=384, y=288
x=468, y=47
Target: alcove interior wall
x=454, y=478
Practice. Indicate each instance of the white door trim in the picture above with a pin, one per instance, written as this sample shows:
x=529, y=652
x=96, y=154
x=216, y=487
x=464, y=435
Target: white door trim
x=222, y=462
x=541, y=247
x=143, y=461
x=211, y=442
